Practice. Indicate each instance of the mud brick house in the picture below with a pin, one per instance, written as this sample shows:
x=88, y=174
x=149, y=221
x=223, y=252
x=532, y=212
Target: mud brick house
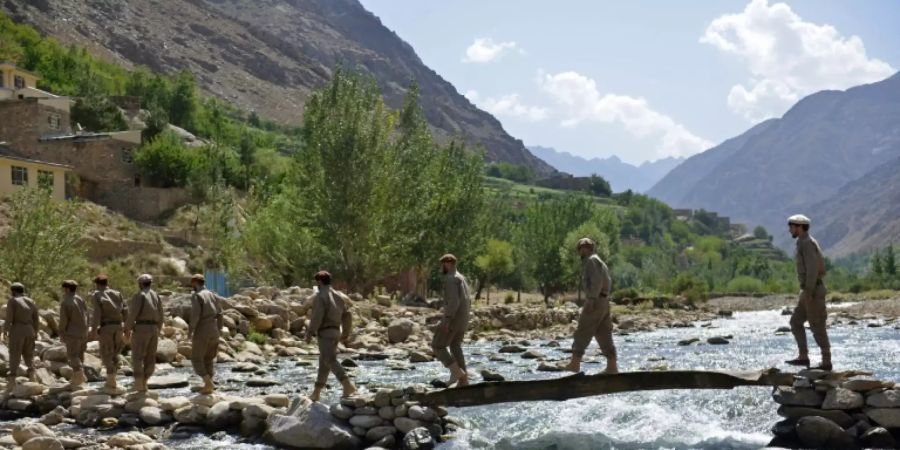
x=36, y=126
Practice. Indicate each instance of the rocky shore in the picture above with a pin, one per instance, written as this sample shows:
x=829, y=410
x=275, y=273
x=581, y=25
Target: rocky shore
x=837, y=410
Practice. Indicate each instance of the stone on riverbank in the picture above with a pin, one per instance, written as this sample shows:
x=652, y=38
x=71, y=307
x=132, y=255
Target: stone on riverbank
x=309, y=425
x=25, y=432
x=819, y=432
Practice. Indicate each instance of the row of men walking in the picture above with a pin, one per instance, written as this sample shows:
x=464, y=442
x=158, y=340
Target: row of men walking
x=114, y=323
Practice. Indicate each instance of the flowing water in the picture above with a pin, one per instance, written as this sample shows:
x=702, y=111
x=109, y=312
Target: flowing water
x=702, y=419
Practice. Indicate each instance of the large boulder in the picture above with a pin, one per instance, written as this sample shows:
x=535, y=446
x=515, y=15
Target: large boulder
x=400, y=330
x=125, y=440
x=790, y=396
x=886, y=417
x=43, y=443
x=166, y=350
x=57, y=353
x=886, y=399
x=843, y=399
x=27, y=431
x=309, y=425
x=819, y=432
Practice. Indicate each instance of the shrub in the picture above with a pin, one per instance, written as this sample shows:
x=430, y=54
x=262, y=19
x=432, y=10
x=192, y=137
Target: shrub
x=510, y=298
x=693, y=288
x=745, y=285
x=257, y=338
x=165, y=161
x=623, y=293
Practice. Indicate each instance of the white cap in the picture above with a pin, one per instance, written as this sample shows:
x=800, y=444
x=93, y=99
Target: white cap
x=798, y=219
x=145, y=278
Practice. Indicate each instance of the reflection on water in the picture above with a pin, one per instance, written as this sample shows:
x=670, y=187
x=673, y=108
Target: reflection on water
x=702, y=419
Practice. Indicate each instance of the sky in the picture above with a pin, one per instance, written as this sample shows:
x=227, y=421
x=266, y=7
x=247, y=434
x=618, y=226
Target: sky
x=645, y=80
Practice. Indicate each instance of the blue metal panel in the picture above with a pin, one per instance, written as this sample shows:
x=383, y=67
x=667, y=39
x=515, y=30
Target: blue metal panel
x=217, y=282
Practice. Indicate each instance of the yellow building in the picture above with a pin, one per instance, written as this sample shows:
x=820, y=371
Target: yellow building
x=20, y=84
x=17, y=173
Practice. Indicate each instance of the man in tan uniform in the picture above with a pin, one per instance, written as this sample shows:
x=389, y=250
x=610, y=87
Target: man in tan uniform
x=811, y=307
x=145, y=321
x=331, y=322
x=21, y=329
x=206, y=321
x=73, y=329
x=595, y=320
x=453, y=325
x=109, y=313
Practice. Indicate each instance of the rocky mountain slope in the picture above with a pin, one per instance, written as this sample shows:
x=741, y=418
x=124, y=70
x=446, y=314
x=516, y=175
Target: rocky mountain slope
x=809, y=157
x=268, y=55
x=621, y=175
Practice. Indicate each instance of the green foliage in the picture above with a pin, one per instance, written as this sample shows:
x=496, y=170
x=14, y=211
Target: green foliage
x=693, y=288
x=624, y=293
x=599, y=186
x=45, y=245
x=746, y=285
x=166, y=161
x=760, y=233
x=97, y=113
x=257, y=338
x=496, y=262
x=512, y=172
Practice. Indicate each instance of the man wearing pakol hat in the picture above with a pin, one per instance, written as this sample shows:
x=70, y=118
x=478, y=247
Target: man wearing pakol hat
x=21, y=329
x=595, y=320
x=73, y=329
x=145, y=321
x=109, y=313
x=451, y=330
x=331, y=321
x=811, y=307
x=206, y=321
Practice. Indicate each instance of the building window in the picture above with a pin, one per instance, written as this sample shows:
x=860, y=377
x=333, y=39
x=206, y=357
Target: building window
x=45, y=179
x=19, y=176
x=128, y=155
x=53, y=121
x=19, y=82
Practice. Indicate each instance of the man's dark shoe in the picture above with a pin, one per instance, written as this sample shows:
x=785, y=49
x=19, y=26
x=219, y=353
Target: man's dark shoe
x=798, y=362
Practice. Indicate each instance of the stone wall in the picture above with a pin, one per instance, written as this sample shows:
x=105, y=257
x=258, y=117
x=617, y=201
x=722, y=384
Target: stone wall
x=142, y=203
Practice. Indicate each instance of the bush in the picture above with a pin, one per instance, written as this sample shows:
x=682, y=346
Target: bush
x=510, y=298
x=693, y=288
x=745, y=285
x=165, y=161
x=623, y=293
x=257, y=338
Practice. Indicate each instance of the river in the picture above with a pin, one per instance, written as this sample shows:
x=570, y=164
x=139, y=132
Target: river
x=700, y=419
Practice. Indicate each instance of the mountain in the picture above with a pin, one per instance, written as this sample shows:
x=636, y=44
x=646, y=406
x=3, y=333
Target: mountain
x=827, y=143
x=268, y=55
x=621, y=175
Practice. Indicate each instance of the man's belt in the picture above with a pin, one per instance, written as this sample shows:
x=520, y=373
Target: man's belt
x=110, y=322
x=147, y=322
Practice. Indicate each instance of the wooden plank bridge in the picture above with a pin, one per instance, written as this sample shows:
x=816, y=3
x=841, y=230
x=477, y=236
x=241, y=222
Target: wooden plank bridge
x=581, y=385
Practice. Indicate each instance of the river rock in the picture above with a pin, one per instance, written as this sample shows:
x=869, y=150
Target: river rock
x=382, y=398
x=718, y=340
x=885, y=399
x=886, y=417
x=205, y=400
x=57, y=353
x=544, y=367
x=689, y=341
x=151, y=415
x=843, y=399
x=376, y=434
x=387, y=413
x=43, y=443
x=341, y=412
x=262, y=382
x=125, y=440
x=533, y=354
x=365, y=421
x=419, y=357
x=795, y=412
x=422, y=413
x=405, y=424
x=245, y=367
x=191, y=414
x=258, y=410
x=797, y=397
x=400, y=330
x=179, y=323
x=220, y=416
x=309, y=425
x=819, y=432
x=172, y=403
x=878, y=437
x=166, y=350
x=418, y=439
x=28, y=390
x=512, y=349
x=27, y=431
x=54, y=417
x=490, y=375
x=277, y=400
x=168, y=382
x=862, y=384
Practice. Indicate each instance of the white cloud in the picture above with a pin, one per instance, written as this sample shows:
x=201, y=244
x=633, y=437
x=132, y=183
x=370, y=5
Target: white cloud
x=788, y=58
x=485, y=50
x=579, y=97
x=507, y=106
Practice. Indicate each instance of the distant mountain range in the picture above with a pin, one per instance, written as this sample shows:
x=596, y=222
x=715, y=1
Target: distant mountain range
x=621, y=175
x=833, y=156
x=269, y=55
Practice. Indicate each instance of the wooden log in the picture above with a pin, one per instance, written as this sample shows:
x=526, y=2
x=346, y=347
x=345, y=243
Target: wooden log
x=581, y=385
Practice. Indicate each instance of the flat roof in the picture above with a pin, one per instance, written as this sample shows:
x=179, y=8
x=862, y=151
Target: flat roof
x=8, y=153
x=14, y=66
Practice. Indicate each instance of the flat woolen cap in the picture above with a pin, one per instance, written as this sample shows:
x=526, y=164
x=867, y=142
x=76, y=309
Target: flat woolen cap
x=17, y=285
x=584, y=242
x=70, y=284
x=798, y=219
x=448, y=258
x=322, y=275
x=198, y=277
x=145, y=278
x=102, y=278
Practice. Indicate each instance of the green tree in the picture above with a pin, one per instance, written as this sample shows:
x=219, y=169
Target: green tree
x=247, y=155
x=877, y=264
x=495, y=263
x=599, y=186
x=183, y=105
x=165, y=161
x=45, y=246
x=693, y=288
x=760, y=233
x=97, y=113
x=889, y=263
